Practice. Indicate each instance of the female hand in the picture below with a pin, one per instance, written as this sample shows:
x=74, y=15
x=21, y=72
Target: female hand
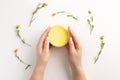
x=74, y=56
x=74, y=50
x=43, y=49
x=42, y=56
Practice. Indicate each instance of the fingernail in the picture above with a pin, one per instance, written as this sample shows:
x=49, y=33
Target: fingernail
x=70, y=39
x=49, y=27
x=69, y=27
x=47, y=39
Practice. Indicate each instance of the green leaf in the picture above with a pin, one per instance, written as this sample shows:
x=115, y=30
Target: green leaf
x=61, y=12
x=72, y=16
x=91, y=18
x=27, y=67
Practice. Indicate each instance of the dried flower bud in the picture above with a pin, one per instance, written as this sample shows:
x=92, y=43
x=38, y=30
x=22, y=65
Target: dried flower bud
x=53, y=14
x=17, y=26
x=16, y=50
x=102, y=37
x=89, y=12
x=45, y=4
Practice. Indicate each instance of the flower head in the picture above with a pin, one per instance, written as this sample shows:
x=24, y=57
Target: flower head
x=45, y=4
x=16, y=50
x=89, y=12
x=53, y=14
x=102, y=37
x=17, y=26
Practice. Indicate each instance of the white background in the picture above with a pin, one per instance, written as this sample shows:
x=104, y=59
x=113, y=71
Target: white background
x=106, y=21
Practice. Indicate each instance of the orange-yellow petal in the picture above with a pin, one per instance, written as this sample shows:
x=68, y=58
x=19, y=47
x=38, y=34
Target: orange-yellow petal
x=53, y=14
x=17, y=26
x=89, y=12
x=102, y=37
x=16, y=50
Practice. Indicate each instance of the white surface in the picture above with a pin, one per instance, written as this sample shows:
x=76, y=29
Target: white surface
x=106, y=20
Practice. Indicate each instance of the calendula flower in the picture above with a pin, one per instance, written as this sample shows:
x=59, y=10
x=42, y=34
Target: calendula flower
x=102, y=37
x=23, y=62
x=53, y=14
x=89, y=11
x=16, y=50
x=45, y=4
x=19, y=35
x=101, y=48
x=17, y=26
x=90, y=21
x=38, y=7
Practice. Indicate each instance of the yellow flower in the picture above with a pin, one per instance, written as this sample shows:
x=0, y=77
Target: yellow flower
x=17, y=26
x=102, y=37
x=53, y=14
x=45, y=4
x=89, y=12
x=16, y=50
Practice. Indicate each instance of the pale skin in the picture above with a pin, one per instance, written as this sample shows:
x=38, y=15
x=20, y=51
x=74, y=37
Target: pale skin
x=74, y=56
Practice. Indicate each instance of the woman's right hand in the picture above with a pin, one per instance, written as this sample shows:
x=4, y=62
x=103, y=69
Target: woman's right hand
x=74, y=56
x=74, y=50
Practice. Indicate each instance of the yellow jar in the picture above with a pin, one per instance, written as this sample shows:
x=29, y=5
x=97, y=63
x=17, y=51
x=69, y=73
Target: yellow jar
x=58, y=36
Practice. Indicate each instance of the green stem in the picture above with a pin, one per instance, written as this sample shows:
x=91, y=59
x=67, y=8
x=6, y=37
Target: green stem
x=67, y=14
x=39, y=6
x=72, y=16
x=90, y=22
x=61, y=12
x=100, y=51
x=27, y=65
x=31, y=20
x=22, y=40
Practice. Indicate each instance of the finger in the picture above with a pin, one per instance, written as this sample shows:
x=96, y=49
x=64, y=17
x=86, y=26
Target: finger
x=46, y=45
x=67, y=46
x=50, y=46
x=43, y=36
x=71, y=45
x=75, y=40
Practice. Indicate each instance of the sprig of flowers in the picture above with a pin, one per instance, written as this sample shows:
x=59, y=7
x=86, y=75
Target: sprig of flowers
x=39, y=6
x=19, y=35
x=101, y=48
x=90, y=21
x=16, y=55
x=65, y=13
